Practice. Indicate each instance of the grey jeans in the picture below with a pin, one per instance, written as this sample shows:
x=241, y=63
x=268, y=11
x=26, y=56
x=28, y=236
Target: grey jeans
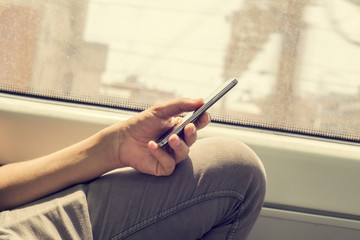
x=217, y=193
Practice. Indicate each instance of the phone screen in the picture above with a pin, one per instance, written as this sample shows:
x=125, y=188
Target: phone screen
x=193, y=116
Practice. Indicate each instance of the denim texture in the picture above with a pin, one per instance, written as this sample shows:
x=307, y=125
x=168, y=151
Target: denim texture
x=217, y=193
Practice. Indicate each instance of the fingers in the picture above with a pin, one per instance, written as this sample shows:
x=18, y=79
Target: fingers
x=166, y=161
x=176, y=107
x=190, y=134
x=190, y=130
x=179, y=148
x=203, y=121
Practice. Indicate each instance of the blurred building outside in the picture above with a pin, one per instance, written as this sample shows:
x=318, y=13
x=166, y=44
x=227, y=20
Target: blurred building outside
x=42, y=49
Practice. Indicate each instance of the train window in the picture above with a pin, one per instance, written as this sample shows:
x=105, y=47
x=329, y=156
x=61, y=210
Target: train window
x=297, y=61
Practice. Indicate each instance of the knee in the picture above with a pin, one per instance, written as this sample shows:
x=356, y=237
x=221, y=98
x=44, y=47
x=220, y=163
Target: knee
x=233, y=161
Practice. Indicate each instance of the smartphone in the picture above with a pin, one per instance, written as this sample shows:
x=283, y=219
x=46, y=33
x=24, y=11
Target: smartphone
x=193, y=116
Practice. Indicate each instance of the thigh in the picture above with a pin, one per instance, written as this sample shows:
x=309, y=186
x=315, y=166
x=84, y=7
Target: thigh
x=63, y=215
x=203, y=198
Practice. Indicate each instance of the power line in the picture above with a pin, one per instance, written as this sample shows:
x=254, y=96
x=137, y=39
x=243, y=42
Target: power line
x=163, y=78
x=159, y=57
x=141, y=6
x=184, y=32
x=212, y=65
x=135, y=42
x=332, y=68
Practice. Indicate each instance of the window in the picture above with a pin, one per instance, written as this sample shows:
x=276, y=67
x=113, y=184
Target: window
x=297, y=61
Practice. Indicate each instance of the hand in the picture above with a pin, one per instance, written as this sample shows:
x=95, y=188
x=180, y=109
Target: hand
x=136, y=145
x=129, y=143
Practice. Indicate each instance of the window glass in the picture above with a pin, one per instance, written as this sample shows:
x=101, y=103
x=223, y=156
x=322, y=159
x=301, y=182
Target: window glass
x=297, y=61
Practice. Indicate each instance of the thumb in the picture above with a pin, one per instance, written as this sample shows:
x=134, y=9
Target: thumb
x=176, y=107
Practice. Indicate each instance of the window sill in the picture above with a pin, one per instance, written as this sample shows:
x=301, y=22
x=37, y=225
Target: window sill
x=303, y=173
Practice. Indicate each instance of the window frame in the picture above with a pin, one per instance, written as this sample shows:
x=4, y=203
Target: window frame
x=284, y=155
x=292, y=198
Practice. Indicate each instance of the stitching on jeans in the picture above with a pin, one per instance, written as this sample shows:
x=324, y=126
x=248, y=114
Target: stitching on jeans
x=235, y=225
x=180, y=206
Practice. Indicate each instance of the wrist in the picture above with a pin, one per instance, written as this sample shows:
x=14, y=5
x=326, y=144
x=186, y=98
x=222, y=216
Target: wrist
x=109, y=141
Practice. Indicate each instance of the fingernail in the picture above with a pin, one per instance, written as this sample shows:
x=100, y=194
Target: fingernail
x=152, y=145
x=177, y=142
x=197, y=100
x=193, y=130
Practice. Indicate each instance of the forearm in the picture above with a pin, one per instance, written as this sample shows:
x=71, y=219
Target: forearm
x=30, y=180
x=129, y=143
